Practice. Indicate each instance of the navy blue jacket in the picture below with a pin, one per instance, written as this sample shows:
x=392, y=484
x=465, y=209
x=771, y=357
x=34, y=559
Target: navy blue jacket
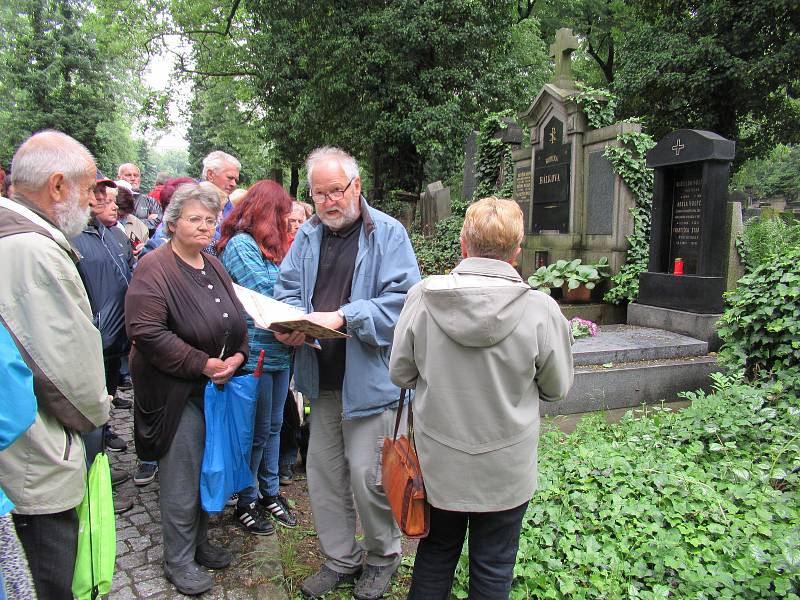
x=105, y=268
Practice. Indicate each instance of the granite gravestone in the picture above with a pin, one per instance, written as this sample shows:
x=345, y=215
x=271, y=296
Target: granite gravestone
x=434, y=206
x=578, y=206
x=689, y=213
x=523, y=184
x=469, y=183
x=551, y=197
x=600, y=195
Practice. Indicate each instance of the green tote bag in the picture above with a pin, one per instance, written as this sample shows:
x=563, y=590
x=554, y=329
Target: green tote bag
x=97, y=537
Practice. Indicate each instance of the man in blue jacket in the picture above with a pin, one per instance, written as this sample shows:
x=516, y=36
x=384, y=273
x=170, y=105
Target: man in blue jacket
x=349, y=267
x=105, y=268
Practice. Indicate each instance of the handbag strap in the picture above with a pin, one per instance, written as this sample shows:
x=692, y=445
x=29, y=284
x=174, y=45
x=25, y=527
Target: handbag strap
x=400, y=413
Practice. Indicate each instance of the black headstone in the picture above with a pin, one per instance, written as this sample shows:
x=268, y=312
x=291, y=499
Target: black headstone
x=600, y=195
x=551, y=181
x=690, y=194
x=523, y=188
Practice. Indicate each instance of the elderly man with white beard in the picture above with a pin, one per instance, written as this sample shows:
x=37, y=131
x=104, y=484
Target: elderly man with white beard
x=44, y=306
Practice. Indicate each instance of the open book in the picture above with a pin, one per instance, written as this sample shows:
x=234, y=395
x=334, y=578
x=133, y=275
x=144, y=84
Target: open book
x=268, y=313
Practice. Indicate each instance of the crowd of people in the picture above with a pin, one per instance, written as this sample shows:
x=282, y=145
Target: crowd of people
x=107, y=287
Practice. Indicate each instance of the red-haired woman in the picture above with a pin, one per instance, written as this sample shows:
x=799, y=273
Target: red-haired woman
x=251, y=246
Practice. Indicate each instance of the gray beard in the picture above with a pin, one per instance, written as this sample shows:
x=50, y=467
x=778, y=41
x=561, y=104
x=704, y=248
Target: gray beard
x=349, y=216
x=69, y=216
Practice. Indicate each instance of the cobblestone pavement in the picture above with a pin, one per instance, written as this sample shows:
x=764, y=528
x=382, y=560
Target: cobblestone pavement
x=256, y=571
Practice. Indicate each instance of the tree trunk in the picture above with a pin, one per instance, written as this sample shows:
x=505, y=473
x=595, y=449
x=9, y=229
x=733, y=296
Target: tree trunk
x=294, y=180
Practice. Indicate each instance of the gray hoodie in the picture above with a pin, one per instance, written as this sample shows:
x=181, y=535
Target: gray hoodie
x=481, y=348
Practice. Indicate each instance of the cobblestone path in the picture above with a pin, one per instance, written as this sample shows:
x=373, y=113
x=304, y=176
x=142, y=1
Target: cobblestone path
x=256, y=572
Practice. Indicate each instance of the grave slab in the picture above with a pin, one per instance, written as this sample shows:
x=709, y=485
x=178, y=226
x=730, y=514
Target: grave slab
x=627, y=385
x=627, y=343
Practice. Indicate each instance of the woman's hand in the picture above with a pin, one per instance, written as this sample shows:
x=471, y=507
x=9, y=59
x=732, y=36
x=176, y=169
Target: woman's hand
x=213, y=366
x=222, y=370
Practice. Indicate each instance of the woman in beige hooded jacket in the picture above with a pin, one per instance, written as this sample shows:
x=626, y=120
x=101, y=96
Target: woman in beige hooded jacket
x=481, y=348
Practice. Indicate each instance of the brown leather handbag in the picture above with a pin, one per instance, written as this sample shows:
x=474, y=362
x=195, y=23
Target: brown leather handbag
x=402, y=480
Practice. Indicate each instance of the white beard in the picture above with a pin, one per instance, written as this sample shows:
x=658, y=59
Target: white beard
x=349, y=216
x=69, y=216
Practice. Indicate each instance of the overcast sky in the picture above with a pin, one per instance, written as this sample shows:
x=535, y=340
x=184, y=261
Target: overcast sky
x=158, y=76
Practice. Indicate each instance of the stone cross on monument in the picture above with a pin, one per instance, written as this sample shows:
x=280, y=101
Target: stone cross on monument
x=561, y=50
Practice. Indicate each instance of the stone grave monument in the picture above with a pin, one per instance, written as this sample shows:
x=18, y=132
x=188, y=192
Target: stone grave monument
x=575, y=206
x=434, y=205
x=693, y=258
x=469, y=182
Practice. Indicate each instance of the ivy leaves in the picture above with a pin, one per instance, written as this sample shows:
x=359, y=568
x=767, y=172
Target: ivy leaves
x=494, y=175
x=628, y=161
x=674, y=505
x=760, y=328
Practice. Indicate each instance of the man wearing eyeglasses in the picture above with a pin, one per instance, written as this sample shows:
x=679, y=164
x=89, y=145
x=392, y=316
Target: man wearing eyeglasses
x=349, y=267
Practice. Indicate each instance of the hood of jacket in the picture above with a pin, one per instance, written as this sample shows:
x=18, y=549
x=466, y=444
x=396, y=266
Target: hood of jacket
x=480, y=303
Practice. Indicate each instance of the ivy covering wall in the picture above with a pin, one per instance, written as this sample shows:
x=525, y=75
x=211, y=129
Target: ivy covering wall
x=628, y=161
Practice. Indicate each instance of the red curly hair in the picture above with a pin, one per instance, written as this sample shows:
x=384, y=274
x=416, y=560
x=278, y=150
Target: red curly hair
x=262, y=214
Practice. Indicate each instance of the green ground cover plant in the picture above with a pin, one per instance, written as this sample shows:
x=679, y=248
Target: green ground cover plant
x=766, y=237
x=760, y=327
x=701, y=503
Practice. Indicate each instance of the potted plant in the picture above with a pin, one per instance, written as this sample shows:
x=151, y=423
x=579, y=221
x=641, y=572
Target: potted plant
x=576, y=280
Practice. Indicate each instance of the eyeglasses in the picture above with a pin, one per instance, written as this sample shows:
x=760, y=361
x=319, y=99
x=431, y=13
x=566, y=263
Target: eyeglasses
x=196, y=220
x=335, y=195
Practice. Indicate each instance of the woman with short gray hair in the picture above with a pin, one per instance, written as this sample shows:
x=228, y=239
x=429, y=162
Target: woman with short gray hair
x=187, y=328
x=482, y=349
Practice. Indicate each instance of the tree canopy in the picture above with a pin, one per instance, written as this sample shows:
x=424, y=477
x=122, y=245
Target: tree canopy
x=398, y=84
x=723, y=65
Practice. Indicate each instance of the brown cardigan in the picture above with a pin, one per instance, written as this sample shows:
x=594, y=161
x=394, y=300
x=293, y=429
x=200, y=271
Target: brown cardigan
x=172, y=338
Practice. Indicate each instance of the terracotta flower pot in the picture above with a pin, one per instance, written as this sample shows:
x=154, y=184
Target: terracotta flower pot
x=579, y=295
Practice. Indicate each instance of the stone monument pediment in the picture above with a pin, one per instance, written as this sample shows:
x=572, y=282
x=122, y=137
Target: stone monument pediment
x=690, y=145
x=549, y=99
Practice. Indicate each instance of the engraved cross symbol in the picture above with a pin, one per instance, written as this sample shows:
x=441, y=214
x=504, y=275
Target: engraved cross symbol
x=553, y=136
x=678, y=147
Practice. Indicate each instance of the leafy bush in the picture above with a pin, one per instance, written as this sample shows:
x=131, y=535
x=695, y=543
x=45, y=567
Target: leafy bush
x=441, y=252
x=760, y=328
x=573, y=273
x=776, y=174
x=700, y=503
x=764, y=238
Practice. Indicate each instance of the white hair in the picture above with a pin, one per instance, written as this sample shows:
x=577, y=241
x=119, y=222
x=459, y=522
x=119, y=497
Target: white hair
x=45, y=153
x=205, y=193
x=123, y=165
x=217, y=159
x=348, y=163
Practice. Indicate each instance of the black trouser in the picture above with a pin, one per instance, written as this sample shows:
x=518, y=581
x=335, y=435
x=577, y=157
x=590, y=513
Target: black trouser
x=51, y=544
x=112, y=365
x=493, y=544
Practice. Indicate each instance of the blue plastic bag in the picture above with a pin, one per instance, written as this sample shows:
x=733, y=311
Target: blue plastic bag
x=230, y=417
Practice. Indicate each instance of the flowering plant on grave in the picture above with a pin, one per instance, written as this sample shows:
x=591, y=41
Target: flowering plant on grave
x=582, y=328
